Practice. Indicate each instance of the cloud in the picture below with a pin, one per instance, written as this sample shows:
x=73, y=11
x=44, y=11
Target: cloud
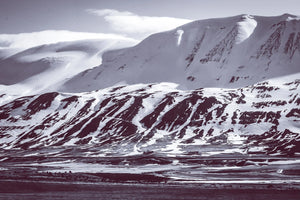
x=28, y=40
x=130, y=23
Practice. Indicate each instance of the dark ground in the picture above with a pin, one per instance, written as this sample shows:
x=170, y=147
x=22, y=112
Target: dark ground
x=13, y=190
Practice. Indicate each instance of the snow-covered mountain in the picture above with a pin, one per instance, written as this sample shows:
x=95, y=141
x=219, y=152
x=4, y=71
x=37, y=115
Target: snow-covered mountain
x=226, y=52
x=230, y=85
x=158, y=117
x=31, y=63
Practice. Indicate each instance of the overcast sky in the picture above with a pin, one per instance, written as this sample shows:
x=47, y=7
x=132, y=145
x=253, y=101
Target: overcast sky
x=126, y=17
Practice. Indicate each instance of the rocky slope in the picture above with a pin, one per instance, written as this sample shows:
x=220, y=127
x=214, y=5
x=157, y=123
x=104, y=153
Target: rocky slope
x=262, y=118
x=214, y=101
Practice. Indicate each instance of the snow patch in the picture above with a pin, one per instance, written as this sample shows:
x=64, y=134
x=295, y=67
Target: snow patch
x=245, y=28
x=179, y=34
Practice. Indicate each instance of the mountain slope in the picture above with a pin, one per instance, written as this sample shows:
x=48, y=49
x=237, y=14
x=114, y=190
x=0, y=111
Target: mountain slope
x=34, y=66
x=158, y=117
x=147, y=114
x=227, y=52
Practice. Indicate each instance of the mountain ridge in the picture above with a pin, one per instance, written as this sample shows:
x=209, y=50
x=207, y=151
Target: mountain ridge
x=45, y=67
x=213, y=101
x=144, y=94
x=225, y=52
x=144, y=116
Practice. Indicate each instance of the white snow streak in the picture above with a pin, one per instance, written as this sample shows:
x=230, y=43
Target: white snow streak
x=179, y=35
x=245, y=28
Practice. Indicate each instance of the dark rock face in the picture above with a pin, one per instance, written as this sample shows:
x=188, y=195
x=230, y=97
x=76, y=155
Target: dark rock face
x=191, y=56
x=223, y=49
x=153, y=118
x=292, y=45
x=295, y=112
x=257, y=117
x=17, y=103
x=40, y=103
x=278, y=142
x=272, y=45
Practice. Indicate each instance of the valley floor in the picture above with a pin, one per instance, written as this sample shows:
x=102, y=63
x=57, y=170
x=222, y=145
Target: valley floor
x=15, y=189
x=150, y=176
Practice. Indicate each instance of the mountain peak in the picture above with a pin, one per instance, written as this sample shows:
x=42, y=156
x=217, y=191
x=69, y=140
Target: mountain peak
x=246, y=16
x=287, y=16
x=225, y=52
